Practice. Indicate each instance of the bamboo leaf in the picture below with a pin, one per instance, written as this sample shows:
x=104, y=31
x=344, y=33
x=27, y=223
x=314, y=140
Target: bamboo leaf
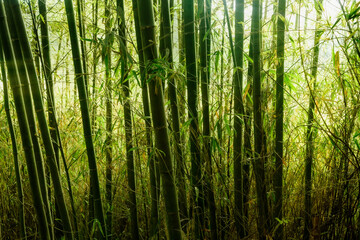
x=288, y=82
x=248, y=58
x=354, y=13
x=88, y=40
x=336, y=22
x=42, y=18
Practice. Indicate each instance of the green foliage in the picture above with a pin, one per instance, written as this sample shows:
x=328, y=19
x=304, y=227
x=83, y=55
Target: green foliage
x=335, y=128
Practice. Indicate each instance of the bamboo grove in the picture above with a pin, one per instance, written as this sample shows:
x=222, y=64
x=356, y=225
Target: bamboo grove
x=180, y=119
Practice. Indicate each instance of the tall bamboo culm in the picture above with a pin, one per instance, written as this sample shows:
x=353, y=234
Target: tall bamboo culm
x=29, y=108
x=43, y=125
x=152, y=158
x=310, y=121
x=79, y=76
x=128, y=122
x=197, y=203
x=166, y=51
x=19, y=186
x=39, y=109
x=108, y=144
x=259, y=143
x=147, y=26
x=238, y=119
x=23, y=124
x=279, y=131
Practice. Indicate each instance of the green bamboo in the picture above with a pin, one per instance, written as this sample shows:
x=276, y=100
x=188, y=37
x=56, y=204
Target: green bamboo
x=153, y=161
x=19, y=186
x=108, y=105
x=279, y=118
x=238, y=119
x=208, y=11
x=23, y=124
x=204, y=76
x=45, y=50
x=45, y=46
x=192, y=93
x=57, y=227
x=260, y=146
x=95, y=10
x=94, y=178
x=39, y=109
x=94, y=104
x=209, y=164
x=147, y=25
x=166, y=51
x=30, y=114
x=127, y=121
x=309, y=131
x=222, y=222
x=248, y=151
x=237, y=56
x=80, y=15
